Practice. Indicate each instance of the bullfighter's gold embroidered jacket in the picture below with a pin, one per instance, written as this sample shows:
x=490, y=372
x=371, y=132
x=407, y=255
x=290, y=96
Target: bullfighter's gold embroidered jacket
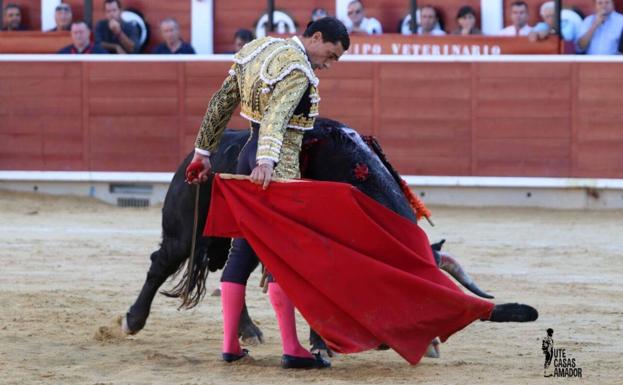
x=275, y=84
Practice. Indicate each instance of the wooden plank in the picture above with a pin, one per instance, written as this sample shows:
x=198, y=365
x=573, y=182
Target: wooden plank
x=524, y=70
x=61, y=162
x=40, y=87
x=603, y=159
x=48, y=70
x=414, y=128
x=63, y=144
x=133, y=88
x=425, y=108
x=38, y=124
x=33, y=42
x=31, y=144
x=134, y=126
x=86, y=113
x=196, y=105
x=425, y=71
x=155, y=106
x=523, y=127
x=207, y=69
x=202, y=87
x=601, y=90
x=353, y=106
x=119, y=162
x=520, y=150
x=591, y=71
x=406, y=161
x=358, y=87
x=427, y=146
x=118, y=145
x=347, y=70
x=52, y=106
x=133, y=71
x=20, y=161
x=523, y=108
x=527, y=168
x=599, y=130
x=513, y=88
x=425, y=88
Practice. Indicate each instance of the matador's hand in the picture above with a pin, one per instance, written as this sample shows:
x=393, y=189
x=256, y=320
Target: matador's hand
x=199, y=169
x=262, y=174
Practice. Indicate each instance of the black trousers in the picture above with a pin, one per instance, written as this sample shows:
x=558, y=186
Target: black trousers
x=242, y=259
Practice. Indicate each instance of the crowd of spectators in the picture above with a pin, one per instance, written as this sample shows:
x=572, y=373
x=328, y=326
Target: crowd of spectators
x=598, y=34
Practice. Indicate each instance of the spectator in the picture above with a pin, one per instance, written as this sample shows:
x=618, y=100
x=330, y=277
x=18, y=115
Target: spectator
x=173, y=44
x=429, y=22
x=319, y=13
x=548, y=26
x=242, y=37
x=466, y=17
x=358, y=22
x=62, y=18
x=114, y=34
x=12, y=18
x=81, y=41
x=600, y=34
x=519, y=18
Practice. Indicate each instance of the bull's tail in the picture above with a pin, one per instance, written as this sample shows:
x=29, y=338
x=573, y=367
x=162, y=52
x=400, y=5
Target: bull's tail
x=191, y=288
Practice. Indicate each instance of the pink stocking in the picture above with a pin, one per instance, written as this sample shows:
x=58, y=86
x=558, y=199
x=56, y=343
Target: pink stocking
x=284, y=309
x=232, y=299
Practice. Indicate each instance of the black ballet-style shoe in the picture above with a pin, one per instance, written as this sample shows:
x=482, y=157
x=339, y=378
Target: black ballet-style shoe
x=231, y=357
x=293, y=362
x=513, y=312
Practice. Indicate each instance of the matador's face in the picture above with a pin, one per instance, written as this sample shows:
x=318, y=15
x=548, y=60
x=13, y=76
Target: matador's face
x=322, y=54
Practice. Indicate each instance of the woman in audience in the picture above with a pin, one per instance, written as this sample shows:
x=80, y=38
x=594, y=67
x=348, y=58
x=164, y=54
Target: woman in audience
x=466, y=17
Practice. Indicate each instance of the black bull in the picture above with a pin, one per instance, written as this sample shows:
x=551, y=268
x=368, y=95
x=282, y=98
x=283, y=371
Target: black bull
x=331, y=152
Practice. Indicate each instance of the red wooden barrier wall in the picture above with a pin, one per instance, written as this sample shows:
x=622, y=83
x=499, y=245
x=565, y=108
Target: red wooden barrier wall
x=558, y=119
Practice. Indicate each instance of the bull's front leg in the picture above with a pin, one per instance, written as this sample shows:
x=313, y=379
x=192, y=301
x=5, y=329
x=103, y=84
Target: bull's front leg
x=163, y=265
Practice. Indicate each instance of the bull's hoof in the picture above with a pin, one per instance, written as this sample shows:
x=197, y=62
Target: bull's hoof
x=433, y=350
x=513, y=312
x=132, y=325
x=126, y=329
x=251, y=340
x=251, y=335
x=325, y=353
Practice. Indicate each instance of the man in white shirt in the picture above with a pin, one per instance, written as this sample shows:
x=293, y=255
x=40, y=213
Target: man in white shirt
x=429, y=22
x=600, y=34
x=358, y=22
x=519, y=17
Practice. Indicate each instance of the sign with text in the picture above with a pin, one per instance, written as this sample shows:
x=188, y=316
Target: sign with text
x=396, y=44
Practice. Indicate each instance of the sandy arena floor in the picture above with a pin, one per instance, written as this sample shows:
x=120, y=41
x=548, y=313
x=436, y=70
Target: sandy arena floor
x=69, y=266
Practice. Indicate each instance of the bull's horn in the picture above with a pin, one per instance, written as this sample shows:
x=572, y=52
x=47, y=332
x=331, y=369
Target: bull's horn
x=449, y=264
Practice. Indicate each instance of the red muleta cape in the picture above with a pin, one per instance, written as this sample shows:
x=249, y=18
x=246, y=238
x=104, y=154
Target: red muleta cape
x=359, y=273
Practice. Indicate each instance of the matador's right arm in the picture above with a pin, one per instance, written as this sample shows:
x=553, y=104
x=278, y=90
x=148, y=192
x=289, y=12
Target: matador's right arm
x=218, y=113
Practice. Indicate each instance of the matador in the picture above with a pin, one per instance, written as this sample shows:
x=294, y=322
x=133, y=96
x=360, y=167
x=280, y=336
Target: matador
x=274, y=83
